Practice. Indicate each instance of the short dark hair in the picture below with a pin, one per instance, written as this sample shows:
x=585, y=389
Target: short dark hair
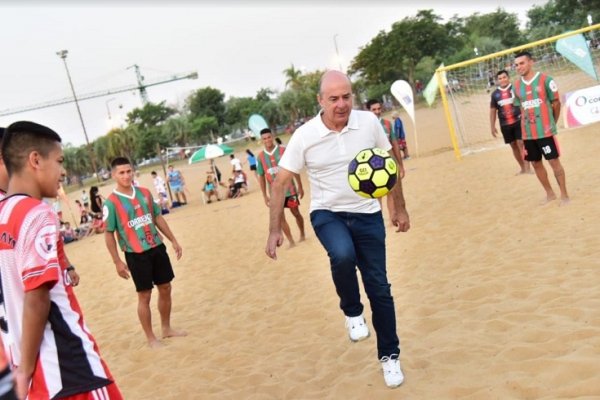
x=119, y=161
x=265, y=130
x=1, y=133
x=524, y=53
x=371, y=102
x=21, y=138
x=153, y=173
x=502, y=72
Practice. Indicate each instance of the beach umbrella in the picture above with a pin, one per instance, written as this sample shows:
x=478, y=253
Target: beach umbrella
x=210, y=151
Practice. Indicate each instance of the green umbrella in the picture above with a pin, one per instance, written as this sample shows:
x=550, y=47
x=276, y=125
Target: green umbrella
x=210, y=151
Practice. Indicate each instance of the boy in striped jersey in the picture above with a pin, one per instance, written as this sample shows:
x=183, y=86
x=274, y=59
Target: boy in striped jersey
x=502, y=103
x=53, y=353
x=537, y=95
x=132, y=213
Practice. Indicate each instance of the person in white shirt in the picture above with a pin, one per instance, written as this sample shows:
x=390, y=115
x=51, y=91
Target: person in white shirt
x=349, y=227
x=161, y=190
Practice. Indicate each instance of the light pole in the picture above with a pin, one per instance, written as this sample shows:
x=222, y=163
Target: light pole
x=63, y=54
x=107, y=107
x=337, y=52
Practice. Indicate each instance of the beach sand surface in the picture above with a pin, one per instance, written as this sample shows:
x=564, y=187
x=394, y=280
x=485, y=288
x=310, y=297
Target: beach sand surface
x=497, y=296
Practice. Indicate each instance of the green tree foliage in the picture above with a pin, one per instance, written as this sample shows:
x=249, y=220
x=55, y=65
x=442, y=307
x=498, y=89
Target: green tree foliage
x=77, y=160
x=392, y=55
x=499, y=25
x=207, y=102
x=203, y=129
x=238, y=110
x=150, y=115
x=558, y=16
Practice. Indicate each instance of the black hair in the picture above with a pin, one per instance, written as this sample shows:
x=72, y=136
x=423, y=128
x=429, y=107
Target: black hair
x=278, y=140
x=371, y=102
x=153, y=173
x=265, y=130
x=93, y=191
x=524, y=53
x=249, y=152
x=119, y=161
x=23, y=137
x=502, y=72
x=1, y=133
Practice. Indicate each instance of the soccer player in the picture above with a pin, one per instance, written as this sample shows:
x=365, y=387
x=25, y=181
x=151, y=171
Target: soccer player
x=177, y=182
x=53, y=353
x=510, y=118
x=268, y=160
x=374, y=105
x=132, y=213
x=6, y=380
x=349, y=227
x=537, y=95
x=401, y=135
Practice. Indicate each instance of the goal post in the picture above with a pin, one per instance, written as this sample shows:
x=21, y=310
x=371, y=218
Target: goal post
x=466, y=87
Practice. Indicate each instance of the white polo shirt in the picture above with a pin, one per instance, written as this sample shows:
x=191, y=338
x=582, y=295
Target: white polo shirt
x=326, y=155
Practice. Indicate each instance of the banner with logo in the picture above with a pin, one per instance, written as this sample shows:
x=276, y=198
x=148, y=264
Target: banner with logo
x=582, y=107
x=403, y=92
x=575, y=49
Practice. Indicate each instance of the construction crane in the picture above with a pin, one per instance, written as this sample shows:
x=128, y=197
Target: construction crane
x=141, y=86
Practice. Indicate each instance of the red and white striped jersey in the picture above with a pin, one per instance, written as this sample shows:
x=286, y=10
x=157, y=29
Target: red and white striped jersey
x=68, y=361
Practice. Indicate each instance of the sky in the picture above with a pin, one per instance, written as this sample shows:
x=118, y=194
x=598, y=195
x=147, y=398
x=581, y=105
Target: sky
x=235, y=46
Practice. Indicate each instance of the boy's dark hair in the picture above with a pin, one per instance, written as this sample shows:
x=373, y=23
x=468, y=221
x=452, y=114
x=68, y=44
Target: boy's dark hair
x=153, y=173
x=1, y=133
x=502, y=72
x=524, y=53
x=371, y=102
x=23, y=137
x=119, y=161
x=265, y=130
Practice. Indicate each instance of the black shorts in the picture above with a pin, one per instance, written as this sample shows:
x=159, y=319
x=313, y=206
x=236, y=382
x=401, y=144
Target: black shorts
x=150, y=268
x=511, y=132
x=547, y=146
x=253, y=167
x=291, y=202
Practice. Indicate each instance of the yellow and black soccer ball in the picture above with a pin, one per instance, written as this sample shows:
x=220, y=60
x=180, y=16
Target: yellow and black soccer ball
x=372, y=173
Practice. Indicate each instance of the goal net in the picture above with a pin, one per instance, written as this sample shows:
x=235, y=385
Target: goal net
x=466, y=87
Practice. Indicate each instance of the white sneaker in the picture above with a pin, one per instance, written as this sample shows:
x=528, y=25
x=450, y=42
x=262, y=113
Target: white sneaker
x=357, y=328
x=392, y=372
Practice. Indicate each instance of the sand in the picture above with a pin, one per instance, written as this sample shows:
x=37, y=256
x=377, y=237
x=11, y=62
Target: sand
x=497, y=297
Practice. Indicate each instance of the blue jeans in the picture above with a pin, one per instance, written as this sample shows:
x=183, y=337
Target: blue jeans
x=351, y=240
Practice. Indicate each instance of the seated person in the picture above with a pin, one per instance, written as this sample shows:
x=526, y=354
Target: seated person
x=232, y=192
x=98, y=226
x=67, y=233
x=210, y=189
x=239, y=180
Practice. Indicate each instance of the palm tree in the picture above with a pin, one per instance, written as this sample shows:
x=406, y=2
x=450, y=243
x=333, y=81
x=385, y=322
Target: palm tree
x=293, y=76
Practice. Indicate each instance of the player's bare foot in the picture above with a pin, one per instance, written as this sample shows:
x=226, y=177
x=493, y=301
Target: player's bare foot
x=155, y=344
x=291, y=245
x=167, y=333
x=564, y=201
x=302, y=238
x=549, y=199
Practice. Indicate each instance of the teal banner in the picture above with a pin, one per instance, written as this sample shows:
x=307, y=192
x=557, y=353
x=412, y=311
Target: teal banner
x=575, y=49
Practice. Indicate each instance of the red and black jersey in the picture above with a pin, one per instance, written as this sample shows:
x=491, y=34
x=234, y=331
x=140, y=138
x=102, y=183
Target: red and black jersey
x=502, y=101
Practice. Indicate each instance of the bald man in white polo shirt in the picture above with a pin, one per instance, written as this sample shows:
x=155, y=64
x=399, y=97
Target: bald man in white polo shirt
x=349, y=227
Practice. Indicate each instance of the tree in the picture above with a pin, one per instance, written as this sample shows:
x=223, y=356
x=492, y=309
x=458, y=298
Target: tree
x=77, y=160
x=207, y=102
x=204, y=129
x=392, y=55
x=150, y=115
x=238, y=109
x=499, y=25
x=292, y=76
x=558, y=16
x=178, y=129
